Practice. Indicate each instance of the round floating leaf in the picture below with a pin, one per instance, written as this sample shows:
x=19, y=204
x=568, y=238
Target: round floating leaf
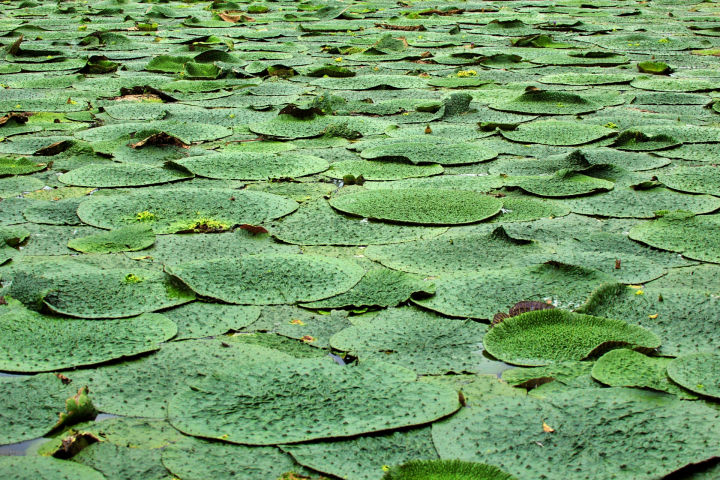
x=53, y=212
x=121, y=462
x=40, y=343
x=586, y=78
x=564, y=183
x=698, y=372
x=142, y=387
x=366, y=82
x=20, y=166
x=234, y=405
x=253, y=166
x=627, y=368
x=573, y=373
x=482, y=294
x=196, y=459
x=548, y=102
x=457, y=252
x=364, y=457
x=178, y=209
x=269, y=279
x=45, y=468
x=185, y=132
x=379, y=287
x=13, y=186
x=635, y=140
x=385, y=170
x=631, y=203
x=200, y=319
x=126, y=239
x=695, y=236
x=554, y=132
x=524, y=209
x=287, y=126
x=432, y=150
x=112, y=293
x=422, y=341
x=122, y=175
x=685, y=320
x=649, y=435
x=674, y=84
x=692, y=179
x=546, y=336
x=30, y=408
x=420, y=206
x=446, y=470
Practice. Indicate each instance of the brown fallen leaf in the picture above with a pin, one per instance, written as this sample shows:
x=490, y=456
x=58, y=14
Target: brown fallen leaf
x=160, y=140
x=404, y=28
x=253, y=229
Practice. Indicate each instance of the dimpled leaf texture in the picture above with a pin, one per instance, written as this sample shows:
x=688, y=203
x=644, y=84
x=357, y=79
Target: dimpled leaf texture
x=113, y=293
x=200, y=319
x=599, y=434
x=317, y=223
x=45, y=468
x=554, y=132
x=546, y=336
x=381, y=170
x=273, y=403
x=121, y=175
x=625, y=202
x=698, y=372
x=446, y=470
x=563, y=183
x=121, y=462
x=481, y=295
x=425, y=206
x=432, y=151
x=253, y=166
x=628, y=368
x=269, y=279
x=364, y=458
x=695, y=236
x=196, y=459
x=692, y=179
x=126, y=239
x=30, y=406
x=380, y=287
x=142, y=387
x=548, y=103
x=33, y=342
x=173, y=210
x=456, y=252
x=421, y=341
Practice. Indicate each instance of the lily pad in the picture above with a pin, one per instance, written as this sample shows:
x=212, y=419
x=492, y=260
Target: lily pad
x=126, y=239
x=482, y=294
x=546, y=336
x=269, y=279
x=122, y=175
x=375, y=398
x=253, y=166
x=554, y=132
x=697, y=372
x=381, y=170
x=423, y=206
x=45, y=468
x=695, y=236
x=548, y=102
x=173, y=210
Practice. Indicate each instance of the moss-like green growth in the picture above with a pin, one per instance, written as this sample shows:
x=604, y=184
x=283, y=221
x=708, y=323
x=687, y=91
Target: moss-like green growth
x=445, y=470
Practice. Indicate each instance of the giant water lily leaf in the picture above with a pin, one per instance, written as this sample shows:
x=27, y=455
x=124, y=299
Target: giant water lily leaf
x=684, y=319
x=141, y=387
x=122, y=175
x=697, y=372
x=196, y=459
x=375, y=399
x=553, y=132
x=126, y=239
x=702, y=179
x=365, y=457
x=445, y=470
x=692, y=235
x=673, y=434
x=200, y=319
x=169, y=211
x=482, y=294
x=40, y=343
x=548, y=102
x=46, y=468
x=253, y=166
x=31, y=406
x=380, y=287
x=115, y=461
x=554, y=335
x=625, y=202
x=381, y=170
x=406, y=337
x=456, y=252
x=269, y=279
x=424, y=150
x=439, y=207
x=627, y=368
